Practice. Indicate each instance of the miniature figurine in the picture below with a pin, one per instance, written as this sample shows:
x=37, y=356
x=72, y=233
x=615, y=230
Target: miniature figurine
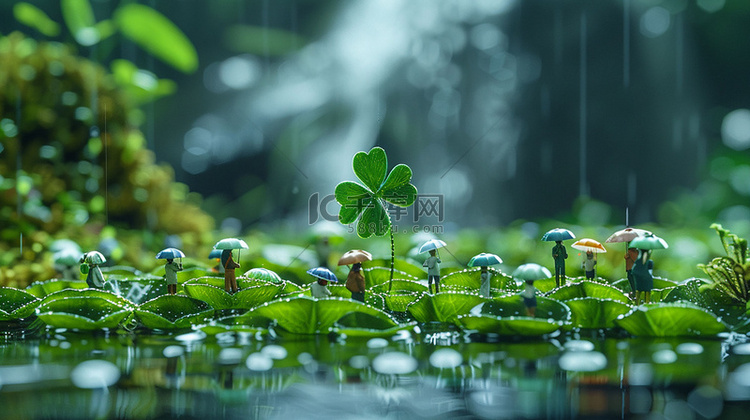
x=171, y=268
x=319, y=289
x=644, y=280
x=230, y=279
x=484, y=286
x=355, y=282
x=560, y=254
x=630, y=256
x=433, y=270
x=589, y=265
x=90, y=262
x=529, y=297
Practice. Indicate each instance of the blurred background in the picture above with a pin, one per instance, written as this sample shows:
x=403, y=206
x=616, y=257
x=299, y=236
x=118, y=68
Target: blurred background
x=519, y=114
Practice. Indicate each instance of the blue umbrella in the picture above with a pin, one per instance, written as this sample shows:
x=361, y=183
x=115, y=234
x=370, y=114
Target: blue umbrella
x=531, y=272
x=323, y=274
x=484, y=260
x=215, y=253
x=558, y=234
x=169, y=254
x=430, y=245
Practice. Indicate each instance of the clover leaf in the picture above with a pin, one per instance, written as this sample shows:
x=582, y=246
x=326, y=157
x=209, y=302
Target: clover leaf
x=368, y=203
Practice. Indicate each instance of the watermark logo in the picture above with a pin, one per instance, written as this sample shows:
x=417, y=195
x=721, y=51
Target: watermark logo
x=427, y=213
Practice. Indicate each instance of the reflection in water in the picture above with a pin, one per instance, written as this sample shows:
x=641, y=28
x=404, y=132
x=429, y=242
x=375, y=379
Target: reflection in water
x=197, y=376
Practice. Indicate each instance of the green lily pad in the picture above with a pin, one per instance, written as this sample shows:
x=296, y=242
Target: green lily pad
x=304, y=315
x=413, y=270
x=41, y=289
x=376, y=276
x=337, y=290
x=659, y=283
x=211, y=290
x=510, y=326
x=592, y=312
x=399, y=286
x=16, y=304
x=588, y=289
x=718, y=303
x=670, y=320
x=136, y=290
x=84, y=309
x=444, y=306
x=373, y=332
x=400, y=302
x=470, y=279
x=513, y=306
x=173, y=311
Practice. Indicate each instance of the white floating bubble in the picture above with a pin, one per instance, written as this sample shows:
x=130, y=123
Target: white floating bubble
x=446, y=358
x=377, y=343
x=359, y=362
x=579, y=345
x=735, y=129
x=95, y=374
x=173, y=351
x=191, y=336
x=230, y=356
x=394, y=363
x=742, y=349
x=259, y=362
x=689, y=348
x=664, y=357
x=274, y=351
x=583, y=361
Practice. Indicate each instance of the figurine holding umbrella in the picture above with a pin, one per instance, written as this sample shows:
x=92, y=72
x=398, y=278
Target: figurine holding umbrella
x=484, y=260
x=355, y=281
x=643, y=266
x=171, y=267
x=559, y=253
x=90, y=262
x=591, y=248
x=432, y=262
x=323, y=275
x=529, y=273
x=227, y=245
x=631, y=254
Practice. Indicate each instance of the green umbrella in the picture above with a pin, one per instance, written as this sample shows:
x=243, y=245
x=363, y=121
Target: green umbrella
x=531, y=272
x=263, y=274
x=231, y=243
x=94, y=257
x=649, y=242
x=484, y=259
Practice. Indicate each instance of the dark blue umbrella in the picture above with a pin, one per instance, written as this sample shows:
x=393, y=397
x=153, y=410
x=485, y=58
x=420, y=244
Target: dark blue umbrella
x=558, y=234
x=323, y=274
x=169, y=254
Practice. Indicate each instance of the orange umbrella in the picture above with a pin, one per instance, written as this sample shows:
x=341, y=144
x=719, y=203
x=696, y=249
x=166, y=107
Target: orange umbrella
x=588, y=244
x=355, y=256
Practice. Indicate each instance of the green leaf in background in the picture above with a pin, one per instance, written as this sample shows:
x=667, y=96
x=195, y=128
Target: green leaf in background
x=338, y=290
x=156, y=34
x=41, y=289
x=720, y=304
x=304, y=315
x=79, y=17
x=16, y=304
x=470, y=280
x=83, y=309
x=670, y=320
x=173, y=312
x=142, y=85
x=588, y=289
x=34, y=17
x=444, y=306
x=591, y=312
x=262, y=41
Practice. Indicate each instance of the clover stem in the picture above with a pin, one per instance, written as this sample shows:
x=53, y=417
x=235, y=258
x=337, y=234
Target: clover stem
x=393, y=253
